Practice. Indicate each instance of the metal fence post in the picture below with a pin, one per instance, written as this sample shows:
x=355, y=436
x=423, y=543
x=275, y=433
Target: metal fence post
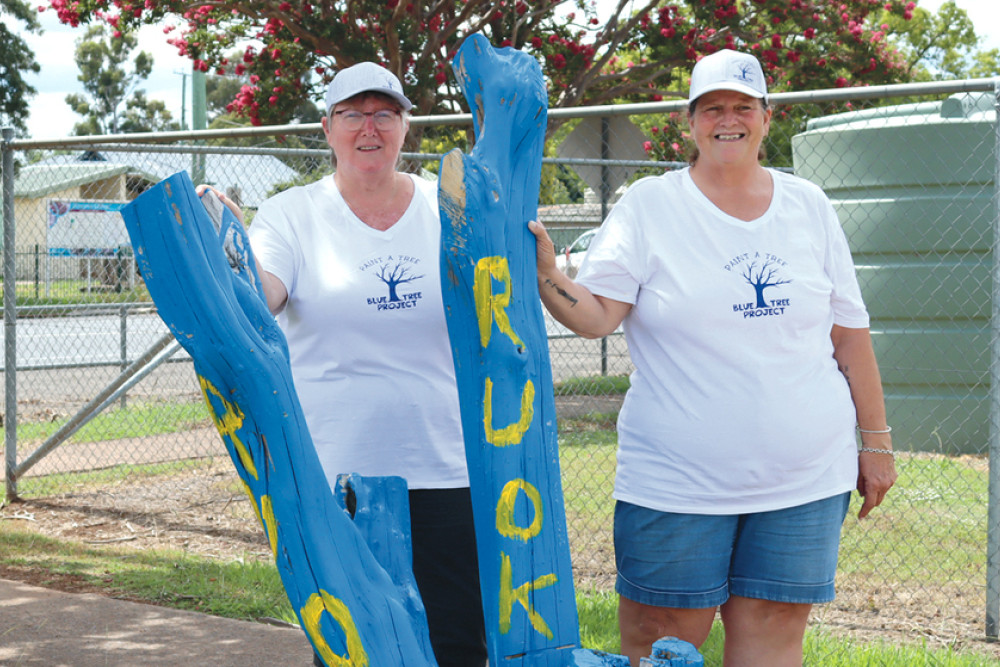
x=123, y=344
x=993, y=511
x=37, y=270
x=9, y=317
x=605, y=198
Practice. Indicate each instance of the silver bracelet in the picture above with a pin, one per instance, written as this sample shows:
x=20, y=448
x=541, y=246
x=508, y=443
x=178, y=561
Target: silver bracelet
x=887, y=429
x=878, y=451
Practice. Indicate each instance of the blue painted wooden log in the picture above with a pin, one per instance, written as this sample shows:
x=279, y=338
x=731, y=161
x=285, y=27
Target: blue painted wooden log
x=500, y=348
x=501, y=359
x=349, y=581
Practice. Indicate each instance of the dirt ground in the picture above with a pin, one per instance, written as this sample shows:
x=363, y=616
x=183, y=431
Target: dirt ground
x=203, y=510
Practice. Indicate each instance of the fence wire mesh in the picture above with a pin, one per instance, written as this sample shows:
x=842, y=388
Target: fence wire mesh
x=910, y=169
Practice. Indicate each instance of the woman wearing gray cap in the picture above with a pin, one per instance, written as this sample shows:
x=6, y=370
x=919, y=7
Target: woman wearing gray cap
x=754, y=365
x=350, y=266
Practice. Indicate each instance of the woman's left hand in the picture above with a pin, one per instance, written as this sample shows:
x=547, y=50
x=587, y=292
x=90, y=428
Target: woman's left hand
x=876, y=475
x=201, y=189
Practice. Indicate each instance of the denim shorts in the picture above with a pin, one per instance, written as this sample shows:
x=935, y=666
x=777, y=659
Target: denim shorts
x=696, y=561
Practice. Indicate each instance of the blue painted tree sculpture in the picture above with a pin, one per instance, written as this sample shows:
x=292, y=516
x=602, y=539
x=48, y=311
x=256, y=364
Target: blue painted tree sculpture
x=500, y=348
x=501, y=359
x=344, y=554
x=349, y=579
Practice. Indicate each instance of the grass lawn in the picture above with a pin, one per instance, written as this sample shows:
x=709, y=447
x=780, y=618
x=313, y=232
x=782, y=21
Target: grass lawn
x=929, y=536
x=251, y=590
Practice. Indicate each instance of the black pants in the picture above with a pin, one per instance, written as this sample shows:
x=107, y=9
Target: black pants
x=447, y=573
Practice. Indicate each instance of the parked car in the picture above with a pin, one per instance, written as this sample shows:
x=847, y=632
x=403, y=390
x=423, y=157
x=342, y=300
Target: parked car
x=571, y=257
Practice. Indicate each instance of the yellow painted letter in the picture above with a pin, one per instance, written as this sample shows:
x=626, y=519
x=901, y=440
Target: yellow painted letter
x=490, y=306
x=522, y=595
x=265, y=514
x=505, y=511
x=228, y=423
x=512, y=433
x=317, y=604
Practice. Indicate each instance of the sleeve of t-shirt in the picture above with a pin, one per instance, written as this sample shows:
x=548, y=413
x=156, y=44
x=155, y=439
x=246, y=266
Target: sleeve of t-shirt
x=613, y=264
x=848, y=305
x=272, y=242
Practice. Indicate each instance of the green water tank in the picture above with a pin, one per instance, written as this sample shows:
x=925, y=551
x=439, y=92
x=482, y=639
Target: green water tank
x=913, y=186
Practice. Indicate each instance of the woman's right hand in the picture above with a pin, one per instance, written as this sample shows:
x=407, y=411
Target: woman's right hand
x=545, y=250
x=573, y=305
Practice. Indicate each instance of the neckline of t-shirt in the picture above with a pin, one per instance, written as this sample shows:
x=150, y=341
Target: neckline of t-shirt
x=729, y=219
x=368, y=229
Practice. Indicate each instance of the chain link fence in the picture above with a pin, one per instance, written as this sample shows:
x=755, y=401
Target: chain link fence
x=96, y=390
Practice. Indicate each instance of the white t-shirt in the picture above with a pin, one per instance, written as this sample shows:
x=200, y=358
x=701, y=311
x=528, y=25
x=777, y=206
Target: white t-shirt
x=365, y=324
x=736, y=404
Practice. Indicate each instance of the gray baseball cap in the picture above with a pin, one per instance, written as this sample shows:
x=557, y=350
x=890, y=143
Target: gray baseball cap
x=362, y=78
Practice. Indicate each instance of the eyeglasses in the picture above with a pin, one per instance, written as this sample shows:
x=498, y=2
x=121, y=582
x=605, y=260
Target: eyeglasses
x=354, y=120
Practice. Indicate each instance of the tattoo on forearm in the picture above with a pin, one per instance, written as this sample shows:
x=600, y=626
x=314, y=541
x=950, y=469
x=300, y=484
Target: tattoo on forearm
x=561, y=292
x=845, y=370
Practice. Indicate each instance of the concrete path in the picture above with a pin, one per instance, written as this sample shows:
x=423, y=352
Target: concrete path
x=39, y=626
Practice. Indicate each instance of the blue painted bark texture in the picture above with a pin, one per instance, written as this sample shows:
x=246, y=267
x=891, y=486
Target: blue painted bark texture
x=349, y=579
x=502, y=362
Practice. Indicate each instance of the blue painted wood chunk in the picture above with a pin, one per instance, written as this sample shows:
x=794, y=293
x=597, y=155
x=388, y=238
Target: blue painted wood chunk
x=673, y=652
x=501, y=357
x=587, y=658
x=349, y=580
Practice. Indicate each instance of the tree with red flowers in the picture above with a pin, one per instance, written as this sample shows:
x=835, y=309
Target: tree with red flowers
x=291, y=49
x=883, y=46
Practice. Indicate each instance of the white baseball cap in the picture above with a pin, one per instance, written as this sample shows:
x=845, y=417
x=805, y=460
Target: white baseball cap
x=728, y=70
x=363, y=78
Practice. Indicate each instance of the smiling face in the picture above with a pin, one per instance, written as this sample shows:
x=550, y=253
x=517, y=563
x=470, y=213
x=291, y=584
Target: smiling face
x=728, y=127
x=372, y=147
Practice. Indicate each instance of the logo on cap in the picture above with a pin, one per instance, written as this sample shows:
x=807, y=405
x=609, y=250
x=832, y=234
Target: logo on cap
x=744, y=72
x=390, y=82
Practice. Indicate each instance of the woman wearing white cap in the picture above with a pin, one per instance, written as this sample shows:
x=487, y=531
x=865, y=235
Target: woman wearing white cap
x=350, y=266
x=754, y=365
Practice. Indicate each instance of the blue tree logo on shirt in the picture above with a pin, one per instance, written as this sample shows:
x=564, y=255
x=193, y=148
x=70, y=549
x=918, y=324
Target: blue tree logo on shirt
x=396, y=276
x=761, y=273
x=762, y=278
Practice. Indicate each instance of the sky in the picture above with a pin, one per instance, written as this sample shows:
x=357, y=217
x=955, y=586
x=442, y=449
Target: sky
x=51, y=117
x=54, y=48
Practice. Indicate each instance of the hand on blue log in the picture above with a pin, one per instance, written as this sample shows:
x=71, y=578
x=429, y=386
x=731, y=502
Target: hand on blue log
x=230, y=204
x=545, y=249
x=272, y=289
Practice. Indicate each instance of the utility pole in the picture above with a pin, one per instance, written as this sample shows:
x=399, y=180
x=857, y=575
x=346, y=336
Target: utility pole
x=184, y=76
x=199, y=121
